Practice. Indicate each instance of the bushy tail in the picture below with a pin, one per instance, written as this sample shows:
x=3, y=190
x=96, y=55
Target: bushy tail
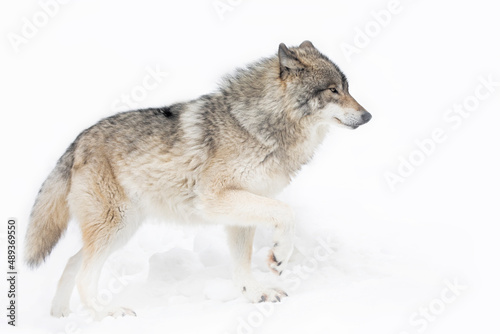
x=50, y=214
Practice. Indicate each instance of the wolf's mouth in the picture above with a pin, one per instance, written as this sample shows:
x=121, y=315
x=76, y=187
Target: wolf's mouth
x=346, y=125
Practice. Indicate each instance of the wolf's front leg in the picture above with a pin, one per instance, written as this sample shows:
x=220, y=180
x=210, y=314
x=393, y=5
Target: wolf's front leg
x=282, y=249
x=240, y=244
x=244, y=210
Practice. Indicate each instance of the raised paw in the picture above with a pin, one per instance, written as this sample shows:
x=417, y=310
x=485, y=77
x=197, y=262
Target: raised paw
x=278, y=257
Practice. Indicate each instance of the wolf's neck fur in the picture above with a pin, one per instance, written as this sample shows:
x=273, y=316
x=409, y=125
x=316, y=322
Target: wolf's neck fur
x=257, y=99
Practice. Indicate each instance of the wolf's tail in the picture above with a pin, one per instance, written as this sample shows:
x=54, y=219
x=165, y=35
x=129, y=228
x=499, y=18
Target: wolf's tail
x=50, y=214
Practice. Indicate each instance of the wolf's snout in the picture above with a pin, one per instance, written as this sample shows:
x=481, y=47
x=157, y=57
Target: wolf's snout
x=366, y=117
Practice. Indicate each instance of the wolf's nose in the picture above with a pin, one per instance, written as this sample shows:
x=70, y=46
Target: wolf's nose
x=366, y=117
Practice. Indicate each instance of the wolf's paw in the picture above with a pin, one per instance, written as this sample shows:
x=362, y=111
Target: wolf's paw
x=59, y=311
x=121, y=312
x=279, y=256
x=260, y=294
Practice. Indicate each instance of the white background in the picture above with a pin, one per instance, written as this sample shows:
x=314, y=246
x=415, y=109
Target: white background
x=393, y=251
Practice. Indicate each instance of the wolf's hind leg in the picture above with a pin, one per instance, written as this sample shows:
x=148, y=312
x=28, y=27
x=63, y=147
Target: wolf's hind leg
x=95, y=252
x=240, y=244
x=60, y=303
x=107, y=220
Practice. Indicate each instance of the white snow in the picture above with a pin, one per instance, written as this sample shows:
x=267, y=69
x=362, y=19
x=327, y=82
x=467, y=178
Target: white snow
x=367, y=260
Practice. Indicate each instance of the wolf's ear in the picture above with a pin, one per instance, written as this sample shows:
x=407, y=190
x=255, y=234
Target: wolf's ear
x=306, y=44
x=288, y=61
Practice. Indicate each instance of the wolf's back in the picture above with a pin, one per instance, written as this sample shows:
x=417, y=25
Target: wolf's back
x=50, y=214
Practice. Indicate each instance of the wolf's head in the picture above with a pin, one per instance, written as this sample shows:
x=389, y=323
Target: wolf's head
x=320, y=87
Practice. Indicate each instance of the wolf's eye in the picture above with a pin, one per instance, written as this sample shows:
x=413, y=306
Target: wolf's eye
x=333, y=90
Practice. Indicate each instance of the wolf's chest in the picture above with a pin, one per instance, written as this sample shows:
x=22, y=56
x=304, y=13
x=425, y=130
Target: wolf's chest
x=264, y=179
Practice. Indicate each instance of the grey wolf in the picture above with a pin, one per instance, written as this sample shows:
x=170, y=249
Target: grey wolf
x=218, y=159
